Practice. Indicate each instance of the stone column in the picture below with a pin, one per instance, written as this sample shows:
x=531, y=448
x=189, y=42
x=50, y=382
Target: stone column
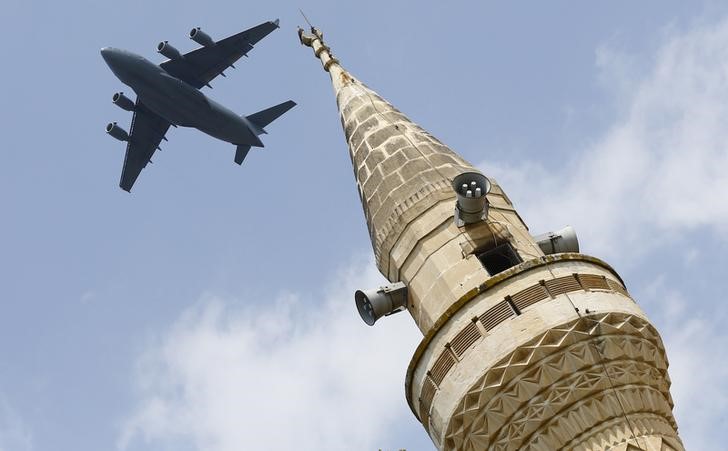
x=545, y=352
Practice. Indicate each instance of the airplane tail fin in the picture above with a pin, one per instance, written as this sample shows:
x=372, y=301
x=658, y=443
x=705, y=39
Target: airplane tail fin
x=241, y=153
x=258, y=121
x=264, y=117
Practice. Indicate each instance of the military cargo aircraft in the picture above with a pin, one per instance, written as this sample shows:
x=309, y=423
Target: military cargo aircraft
x=169, y=94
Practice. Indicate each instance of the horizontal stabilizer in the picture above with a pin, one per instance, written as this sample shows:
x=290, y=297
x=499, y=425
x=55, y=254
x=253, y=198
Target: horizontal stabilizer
x=265, y=117
x=241, y=153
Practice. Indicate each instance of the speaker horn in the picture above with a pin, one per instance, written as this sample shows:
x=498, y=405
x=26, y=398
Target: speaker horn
x=385, y=301
x=563, y=240
x=472, y=203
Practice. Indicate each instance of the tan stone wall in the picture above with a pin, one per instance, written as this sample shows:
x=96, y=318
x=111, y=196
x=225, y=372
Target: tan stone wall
x=578, y=366
x=400, y=170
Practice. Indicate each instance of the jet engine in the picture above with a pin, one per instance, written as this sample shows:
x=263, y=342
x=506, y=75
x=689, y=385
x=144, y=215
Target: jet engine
x=166, y=49
x=117, y=132
x=200, y=37
x=123, y=101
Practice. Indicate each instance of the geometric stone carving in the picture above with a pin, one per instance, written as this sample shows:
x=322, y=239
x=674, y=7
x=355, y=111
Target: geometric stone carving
x=498, y=314
x=593, y=383
x=642, y=429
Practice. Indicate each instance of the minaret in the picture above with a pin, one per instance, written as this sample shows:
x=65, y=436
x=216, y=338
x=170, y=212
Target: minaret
x=528, y=344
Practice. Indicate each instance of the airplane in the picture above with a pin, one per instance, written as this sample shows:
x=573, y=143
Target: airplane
x=169, y=94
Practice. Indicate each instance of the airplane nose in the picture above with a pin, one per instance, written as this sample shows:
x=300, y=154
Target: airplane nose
x=106, y=53
x=114, y=59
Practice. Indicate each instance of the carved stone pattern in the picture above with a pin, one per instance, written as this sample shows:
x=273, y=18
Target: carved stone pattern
x=564, y=394
x=549, y=391
x=613, y=432
x=595, y=411
x=490, y=319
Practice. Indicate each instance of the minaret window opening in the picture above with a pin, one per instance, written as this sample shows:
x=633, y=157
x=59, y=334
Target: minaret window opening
x=499, y=258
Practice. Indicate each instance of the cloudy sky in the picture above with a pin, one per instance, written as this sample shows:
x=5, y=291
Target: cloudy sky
x=212, y=308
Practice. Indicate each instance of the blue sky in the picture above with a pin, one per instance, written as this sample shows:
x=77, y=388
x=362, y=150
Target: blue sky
x=212, y=308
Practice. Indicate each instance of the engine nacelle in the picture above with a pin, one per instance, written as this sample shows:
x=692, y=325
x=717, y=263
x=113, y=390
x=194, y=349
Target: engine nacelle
x=166, y=49
x=123, y=101
x=117, y=132
x=200, y=37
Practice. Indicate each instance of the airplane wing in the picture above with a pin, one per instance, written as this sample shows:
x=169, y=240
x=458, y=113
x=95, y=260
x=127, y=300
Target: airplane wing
x=199, y=67
x=147, y=131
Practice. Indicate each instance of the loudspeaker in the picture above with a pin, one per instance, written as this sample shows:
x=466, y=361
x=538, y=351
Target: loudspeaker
x=472, y=204
x=373, y=304
x=563, y=240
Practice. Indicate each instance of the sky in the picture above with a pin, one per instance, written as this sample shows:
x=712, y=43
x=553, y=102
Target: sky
x=212, y=308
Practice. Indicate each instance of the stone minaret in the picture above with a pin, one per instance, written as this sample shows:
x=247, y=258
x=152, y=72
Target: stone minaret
x=525, y=347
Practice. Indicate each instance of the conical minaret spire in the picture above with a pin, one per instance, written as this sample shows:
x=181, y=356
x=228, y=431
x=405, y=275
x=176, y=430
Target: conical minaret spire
x=528, y=344
x=404, y=177
x=398, y=166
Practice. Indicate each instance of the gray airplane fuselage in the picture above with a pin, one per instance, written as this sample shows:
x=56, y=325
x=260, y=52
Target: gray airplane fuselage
x=177, y=101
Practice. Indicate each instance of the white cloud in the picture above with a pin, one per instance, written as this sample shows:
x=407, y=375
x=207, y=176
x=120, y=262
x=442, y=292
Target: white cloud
x=14, y=434
x=659, y=173
x=285, y=373
x=694, y=340
x=661, y=169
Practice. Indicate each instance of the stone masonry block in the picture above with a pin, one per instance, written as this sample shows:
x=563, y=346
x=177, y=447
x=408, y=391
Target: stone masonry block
x=364, y=128
x=442, y=159
x=358, y=157
x=413, y=153
x=378, y=137
x=390, y=183
x=362, y=174
x=352, y=105
x=372, y=184
x=374, y=201
x=413, y=169
x=393, y=163
x=364, y=112
x=374, y=158
x=394, y=117
x=395, y=143
x=379, y=217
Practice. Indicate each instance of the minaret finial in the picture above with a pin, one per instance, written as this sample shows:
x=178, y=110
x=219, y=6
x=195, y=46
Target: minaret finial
x=315, y=40
x=305, y=18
